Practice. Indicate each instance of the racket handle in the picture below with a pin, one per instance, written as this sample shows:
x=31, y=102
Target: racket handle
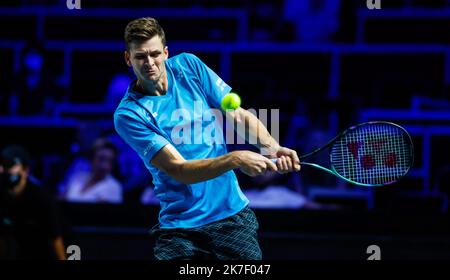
x=274, y=160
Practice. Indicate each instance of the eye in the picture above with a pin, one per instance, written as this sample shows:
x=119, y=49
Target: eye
x=155, y=54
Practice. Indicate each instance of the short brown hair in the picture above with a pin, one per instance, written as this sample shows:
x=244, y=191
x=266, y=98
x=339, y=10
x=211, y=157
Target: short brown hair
x=143, y=29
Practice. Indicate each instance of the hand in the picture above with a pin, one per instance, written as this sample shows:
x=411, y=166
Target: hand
x=287, y=161
x=253, y=164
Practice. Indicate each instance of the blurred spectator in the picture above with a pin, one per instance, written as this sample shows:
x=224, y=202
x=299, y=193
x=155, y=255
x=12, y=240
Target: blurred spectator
x=280, y=191
x=272, y=191
x=137, y=181
x=30, y=225
x=34, y=91
x=315, y=21
x=79, y=159
x=98, y=184
x=148, y=196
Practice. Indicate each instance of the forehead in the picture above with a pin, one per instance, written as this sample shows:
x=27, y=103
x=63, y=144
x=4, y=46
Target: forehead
x=153, y=44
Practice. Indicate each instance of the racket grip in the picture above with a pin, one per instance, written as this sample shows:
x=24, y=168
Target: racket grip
x=274, y=160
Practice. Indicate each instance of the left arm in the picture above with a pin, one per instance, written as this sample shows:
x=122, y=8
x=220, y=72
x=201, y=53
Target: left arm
x=288, y=160
x=216, y=88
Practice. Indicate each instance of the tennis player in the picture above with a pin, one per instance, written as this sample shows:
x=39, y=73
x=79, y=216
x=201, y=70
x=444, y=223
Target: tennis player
x=204, y=214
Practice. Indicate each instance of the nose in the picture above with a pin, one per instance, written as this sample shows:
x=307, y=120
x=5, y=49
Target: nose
x=149, y=61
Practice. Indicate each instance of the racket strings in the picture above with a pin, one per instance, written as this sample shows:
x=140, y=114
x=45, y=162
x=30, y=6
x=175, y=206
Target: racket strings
x=372, y=154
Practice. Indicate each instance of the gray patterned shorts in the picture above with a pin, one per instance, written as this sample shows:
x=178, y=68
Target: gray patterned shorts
x=233, y=238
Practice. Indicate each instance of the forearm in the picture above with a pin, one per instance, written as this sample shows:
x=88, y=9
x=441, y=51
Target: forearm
x=171, y=162
x=194, y=171
x=256, y=134
x=58, y=247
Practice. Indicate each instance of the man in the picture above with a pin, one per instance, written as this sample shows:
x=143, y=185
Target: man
x=97, y=185
x=204, y=214
x=28, y=215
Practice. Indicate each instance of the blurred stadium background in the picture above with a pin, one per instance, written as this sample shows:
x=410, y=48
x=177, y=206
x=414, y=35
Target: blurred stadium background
x=326, y=64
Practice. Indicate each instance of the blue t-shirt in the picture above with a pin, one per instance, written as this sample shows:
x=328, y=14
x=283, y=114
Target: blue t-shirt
x=187, y=117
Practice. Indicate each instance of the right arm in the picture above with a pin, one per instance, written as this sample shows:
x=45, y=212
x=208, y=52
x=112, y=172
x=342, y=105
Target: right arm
x=170, y=161
x=160, y=153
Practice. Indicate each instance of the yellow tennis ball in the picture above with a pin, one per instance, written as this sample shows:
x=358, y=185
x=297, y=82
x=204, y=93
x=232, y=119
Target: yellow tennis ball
x=231, y=101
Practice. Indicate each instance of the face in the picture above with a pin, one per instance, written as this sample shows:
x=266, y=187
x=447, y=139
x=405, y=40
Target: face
x=103, y=162
x=147, y=59
x=16, y=173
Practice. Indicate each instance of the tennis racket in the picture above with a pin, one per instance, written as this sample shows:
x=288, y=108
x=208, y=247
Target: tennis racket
x=369, y=154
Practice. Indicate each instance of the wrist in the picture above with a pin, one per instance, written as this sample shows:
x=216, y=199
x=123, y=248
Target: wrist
x=270, y=150
x=234, y=159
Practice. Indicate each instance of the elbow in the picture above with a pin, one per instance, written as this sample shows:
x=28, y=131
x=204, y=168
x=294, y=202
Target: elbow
x=182, y=177
x=176, y=172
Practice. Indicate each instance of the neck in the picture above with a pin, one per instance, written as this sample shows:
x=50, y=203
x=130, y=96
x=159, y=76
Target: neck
x=157, y=88
x=17, y=190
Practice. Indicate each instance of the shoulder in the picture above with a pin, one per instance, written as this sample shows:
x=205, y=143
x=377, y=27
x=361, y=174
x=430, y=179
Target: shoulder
x=128, y=105
x=116, y=183
x=184, y=59
x=111, y=182
x=127, y=110
x=184, y=56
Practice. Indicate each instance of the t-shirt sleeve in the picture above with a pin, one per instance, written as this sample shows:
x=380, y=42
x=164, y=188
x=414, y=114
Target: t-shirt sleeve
x=145, y=141
x=215, y=87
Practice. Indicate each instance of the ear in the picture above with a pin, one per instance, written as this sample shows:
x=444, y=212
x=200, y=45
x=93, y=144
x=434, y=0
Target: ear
x=166, y=52
x=127, y=58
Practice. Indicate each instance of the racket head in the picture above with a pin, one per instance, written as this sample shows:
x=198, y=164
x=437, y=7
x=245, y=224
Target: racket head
x=372, y=154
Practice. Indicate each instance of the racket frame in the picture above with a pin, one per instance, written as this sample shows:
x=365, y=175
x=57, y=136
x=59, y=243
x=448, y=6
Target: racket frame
x=331, y=142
